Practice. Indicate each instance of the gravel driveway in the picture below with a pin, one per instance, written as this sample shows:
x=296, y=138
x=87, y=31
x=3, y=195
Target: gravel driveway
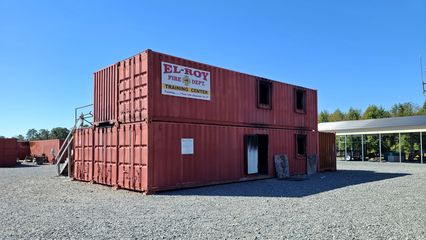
x=360, y=201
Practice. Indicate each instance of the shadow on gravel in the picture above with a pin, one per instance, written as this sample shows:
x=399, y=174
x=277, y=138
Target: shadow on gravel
x=20, y=165
x=317, y=183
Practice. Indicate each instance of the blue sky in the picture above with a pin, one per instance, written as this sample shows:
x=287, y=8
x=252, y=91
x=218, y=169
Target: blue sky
x=354, y=53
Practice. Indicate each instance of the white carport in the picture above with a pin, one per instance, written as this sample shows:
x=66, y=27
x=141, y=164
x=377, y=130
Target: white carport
x=379, y=127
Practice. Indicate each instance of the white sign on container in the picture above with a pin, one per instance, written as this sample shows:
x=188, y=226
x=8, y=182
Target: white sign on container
x=181, y=81
x=187, y=146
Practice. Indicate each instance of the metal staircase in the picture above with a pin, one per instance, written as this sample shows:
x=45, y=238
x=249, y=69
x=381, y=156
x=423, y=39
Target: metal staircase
x=65, y=166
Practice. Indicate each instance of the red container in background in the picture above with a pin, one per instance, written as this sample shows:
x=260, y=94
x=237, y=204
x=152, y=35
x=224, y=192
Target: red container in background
x=162, y=122
x=23, y=149
x=9, y=152
x=45, y=147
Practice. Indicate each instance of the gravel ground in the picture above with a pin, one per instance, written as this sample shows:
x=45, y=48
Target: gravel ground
x=360, y=201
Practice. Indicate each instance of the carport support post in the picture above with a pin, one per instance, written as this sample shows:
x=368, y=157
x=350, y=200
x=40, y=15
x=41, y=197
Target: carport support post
x=362, y=147
x=399, y=143
x=380, y=147
x=346, y=142
x=421, y=147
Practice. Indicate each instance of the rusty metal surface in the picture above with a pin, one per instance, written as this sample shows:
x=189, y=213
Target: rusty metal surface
x=23, y=149
x=40, y=147
x=143, y=117
x=327, y=151
x=133, y=89
x=233, y=99
x=9, y=152
x=218, y=153
x=124, y=90
x=83, y=154
x=105, y=155
x=105, y=94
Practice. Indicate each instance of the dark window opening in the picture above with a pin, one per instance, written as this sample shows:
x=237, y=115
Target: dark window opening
x=300, y=100
x=264, y=94
x=301, y=144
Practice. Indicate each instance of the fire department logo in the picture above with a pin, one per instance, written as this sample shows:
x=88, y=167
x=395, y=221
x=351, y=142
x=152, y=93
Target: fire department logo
x=185, y=80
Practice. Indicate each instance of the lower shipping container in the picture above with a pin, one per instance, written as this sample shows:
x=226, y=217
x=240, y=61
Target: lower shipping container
x=163, y=155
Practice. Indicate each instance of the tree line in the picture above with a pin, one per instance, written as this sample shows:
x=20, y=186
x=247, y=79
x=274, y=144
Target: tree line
x=372, y=112
x=43, y=134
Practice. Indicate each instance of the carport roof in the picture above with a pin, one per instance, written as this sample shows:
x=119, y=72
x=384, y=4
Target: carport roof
x=370, y=126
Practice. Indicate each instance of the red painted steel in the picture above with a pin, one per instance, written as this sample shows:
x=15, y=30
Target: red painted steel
x=327, y=151
x=133, y=156
x=83, y=154
x=105, y=95
x=105, y=155
x=8, y=152
x=141, y=149
x=233, y=99
x=218, y=153
x=133, y=89
x=40, y=147
x=23, y=149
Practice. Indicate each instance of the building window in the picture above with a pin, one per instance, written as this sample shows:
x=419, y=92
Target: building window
x=301, y=144
x=300, y=99
x=264, y=94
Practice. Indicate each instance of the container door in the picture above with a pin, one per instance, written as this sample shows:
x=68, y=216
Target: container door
x=252, y=154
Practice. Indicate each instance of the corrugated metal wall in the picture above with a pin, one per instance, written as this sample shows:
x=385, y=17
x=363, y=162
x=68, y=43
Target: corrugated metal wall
x=83, y=154
x=233, y=100
x=142, y=116
x=133, y=89
x=327, y=151
x=105, y=95
x=105, y=155
x=8, y=152
x=40, y=147
x=218, y=153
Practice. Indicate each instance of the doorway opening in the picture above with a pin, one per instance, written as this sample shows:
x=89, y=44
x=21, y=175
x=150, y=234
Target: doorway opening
x=256, y=154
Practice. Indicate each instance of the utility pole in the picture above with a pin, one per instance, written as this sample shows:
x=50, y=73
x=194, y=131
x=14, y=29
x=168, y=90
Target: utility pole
x=422, y=75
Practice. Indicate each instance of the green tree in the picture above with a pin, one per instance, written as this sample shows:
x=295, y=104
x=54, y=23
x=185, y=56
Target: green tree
x=32, y=134
x=404, y=109
x=422, y=110
x=2, y=137
x=323, y=116
x=19, y=137
x=59, y=133
x=373, y=112
x=43, y=134
x=353, y=114
x=336, y=116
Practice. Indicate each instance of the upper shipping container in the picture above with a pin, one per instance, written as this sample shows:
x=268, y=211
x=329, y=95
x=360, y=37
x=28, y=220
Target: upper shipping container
x=152, y=86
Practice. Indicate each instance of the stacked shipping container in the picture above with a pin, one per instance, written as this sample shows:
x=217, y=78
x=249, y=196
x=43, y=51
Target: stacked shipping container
x=163, y=122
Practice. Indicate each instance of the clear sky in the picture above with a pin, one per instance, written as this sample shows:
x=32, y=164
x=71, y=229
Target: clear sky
x=353, y=52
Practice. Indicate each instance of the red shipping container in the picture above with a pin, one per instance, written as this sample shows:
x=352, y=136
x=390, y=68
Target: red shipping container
x=45, y=147
x=9, y=152
x=169, y=123
x=233, y=96
x=83, y=154
x=23, y=149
